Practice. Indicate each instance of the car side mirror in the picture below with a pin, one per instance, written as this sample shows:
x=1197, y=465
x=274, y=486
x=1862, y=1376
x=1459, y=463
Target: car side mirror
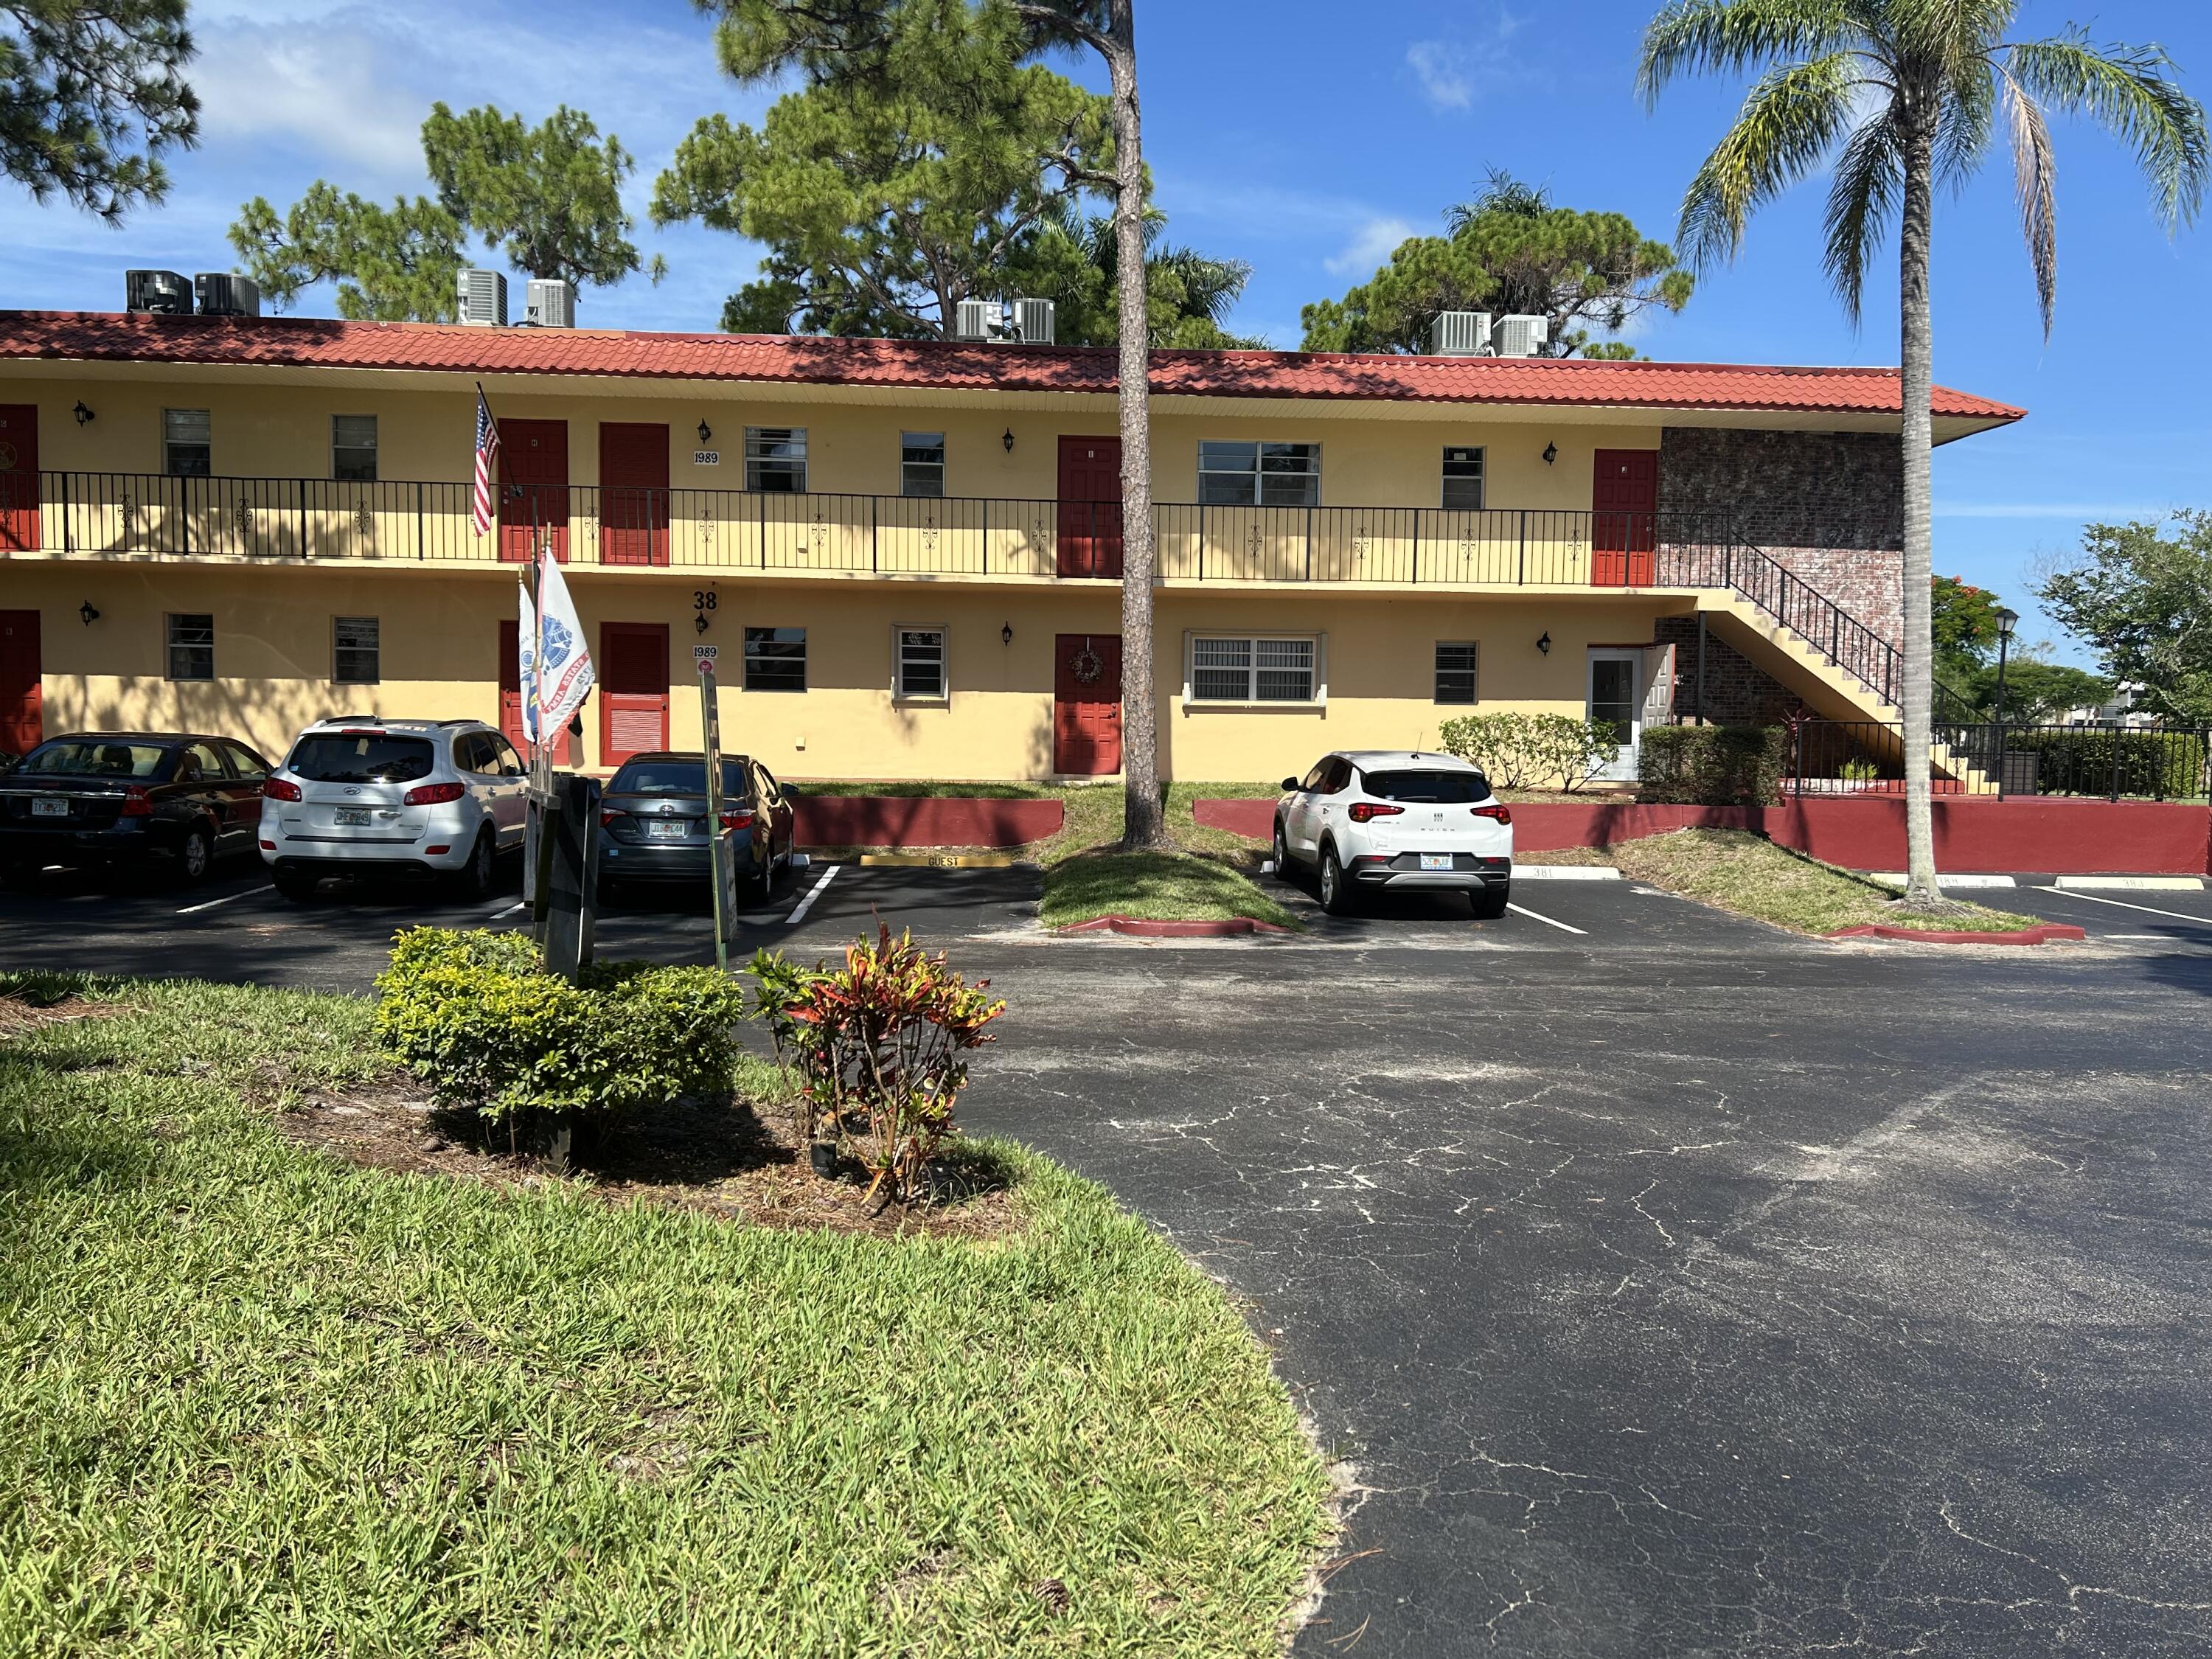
x=1289, y=784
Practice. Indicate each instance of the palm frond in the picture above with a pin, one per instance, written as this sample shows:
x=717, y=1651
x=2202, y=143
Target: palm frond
x=1964, y=127
x=1730, y=36
x=2128, y=90
x=1791, y=118
x=1870, y=175
x=2034, y=171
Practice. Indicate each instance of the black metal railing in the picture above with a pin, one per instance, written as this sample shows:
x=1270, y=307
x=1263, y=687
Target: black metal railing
x=2003, y=759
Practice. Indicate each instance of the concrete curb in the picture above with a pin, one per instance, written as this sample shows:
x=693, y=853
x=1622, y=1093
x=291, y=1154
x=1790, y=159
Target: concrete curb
x=1140, y=927
x=2042, y=933
x=2130, y=883
x=943, y=860
x=1565, y=872
x=1897, y=879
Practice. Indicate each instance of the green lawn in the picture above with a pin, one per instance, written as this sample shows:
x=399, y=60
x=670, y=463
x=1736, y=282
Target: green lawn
x=1752, y=877
x=254, y=1400
x=1152, y=886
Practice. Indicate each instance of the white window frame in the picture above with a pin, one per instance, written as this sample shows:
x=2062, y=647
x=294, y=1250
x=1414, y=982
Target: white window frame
x=171, y=645
x=1473, y=670
x=1319, y=641
x=906, y=478
x=338, y=649
x=170, y=444
x=757, y=465
x=1481, y=477
x=337, y=448
x=899, y=692
x=1259, y=471
x=806, y=661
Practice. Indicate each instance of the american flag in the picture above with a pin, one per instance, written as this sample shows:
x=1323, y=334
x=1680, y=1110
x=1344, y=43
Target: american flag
x=486, y=463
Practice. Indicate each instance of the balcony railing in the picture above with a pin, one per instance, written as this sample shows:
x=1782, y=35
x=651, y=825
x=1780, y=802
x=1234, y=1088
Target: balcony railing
x=620, y=527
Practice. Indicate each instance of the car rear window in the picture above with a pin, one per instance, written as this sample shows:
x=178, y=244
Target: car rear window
x=95, y=757
x=676, y=777
x=362, y=758
x=1450, y=788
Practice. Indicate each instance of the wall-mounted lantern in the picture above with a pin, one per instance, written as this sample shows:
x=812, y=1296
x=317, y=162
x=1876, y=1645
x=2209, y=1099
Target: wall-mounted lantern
x=1008, y=441
x=706, y=435
x=83, y=415
x=1544, y=643
x=1550, y=454
x=89, y=612
x=1006, y=634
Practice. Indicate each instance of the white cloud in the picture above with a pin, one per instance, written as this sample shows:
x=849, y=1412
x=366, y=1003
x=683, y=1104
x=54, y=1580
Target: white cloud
x=1371, y=246
x=333, y=91
x=1441, y=68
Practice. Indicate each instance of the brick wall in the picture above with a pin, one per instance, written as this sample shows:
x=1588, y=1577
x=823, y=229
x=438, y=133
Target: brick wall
x=1737, y=691
x=1828, y=506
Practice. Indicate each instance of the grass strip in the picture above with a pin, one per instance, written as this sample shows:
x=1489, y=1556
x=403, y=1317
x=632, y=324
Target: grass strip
x=255, y=1400
x=1736, y=871
x=1152, y=887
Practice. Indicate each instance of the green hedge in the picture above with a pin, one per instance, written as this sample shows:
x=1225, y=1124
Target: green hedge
x=2080, y=761
x=1712, y=765
x=474, y=1015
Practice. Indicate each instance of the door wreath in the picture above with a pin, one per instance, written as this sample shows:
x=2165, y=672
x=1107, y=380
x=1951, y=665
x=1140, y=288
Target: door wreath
x=1086, y=666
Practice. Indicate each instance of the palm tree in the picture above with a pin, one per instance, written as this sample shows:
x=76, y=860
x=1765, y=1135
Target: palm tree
x=1906, y=94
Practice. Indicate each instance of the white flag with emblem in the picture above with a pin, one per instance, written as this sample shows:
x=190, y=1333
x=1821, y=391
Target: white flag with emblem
x=565, y=666
x=525, y=638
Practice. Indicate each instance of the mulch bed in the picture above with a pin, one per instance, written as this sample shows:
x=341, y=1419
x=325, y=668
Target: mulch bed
x=717, y=1157
x=20, y=1013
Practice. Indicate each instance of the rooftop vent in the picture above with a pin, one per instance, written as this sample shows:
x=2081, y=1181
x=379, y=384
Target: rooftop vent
x=227, y=293
x=1460, y=334
x=1521, y=336
x=552, y=303
x=1021, y=322
x=160, y=292
x=482, y=299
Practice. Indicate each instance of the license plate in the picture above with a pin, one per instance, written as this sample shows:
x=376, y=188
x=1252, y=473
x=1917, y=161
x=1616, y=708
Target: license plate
x=351, y=815
x=667, y=829
x=1435, y=860
x=49, y=808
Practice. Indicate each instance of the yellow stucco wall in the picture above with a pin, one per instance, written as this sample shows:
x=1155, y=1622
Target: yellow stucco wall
x=439, y=633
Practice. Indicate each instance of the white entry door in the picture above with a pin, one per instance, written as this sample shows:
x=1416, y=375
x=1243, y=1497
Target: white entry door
x=1616, y=697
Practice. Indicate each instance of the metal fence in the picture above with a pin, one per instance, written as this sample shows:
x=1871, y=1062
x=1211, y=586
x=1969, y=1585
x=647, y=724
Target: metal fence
x=1842, y=757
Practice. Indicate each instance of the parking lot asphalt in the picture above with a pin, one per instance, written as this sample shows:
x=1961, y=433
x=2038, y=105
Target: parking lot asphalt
x=1670, y=1285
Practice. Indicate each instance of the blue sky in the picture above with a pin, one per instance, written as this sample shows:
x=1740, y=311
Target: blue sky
x=1307, y=139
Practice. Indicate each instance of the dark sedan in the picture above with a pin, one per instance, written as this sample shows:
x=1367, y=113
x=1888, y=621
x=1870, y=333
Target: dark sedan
x=652, y=824
x=143, y=800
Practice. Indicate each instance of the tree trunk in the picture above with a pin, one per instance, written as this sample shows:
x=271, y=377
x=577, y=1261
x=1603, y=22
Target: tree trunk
x=1143, y=826
x=1916, y=373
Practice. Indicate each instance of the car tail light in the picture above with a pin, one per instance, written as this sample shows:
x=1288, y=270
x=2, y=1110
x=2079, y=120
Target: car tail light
x=278, y=789
x=737, y=818
x=136, y=803
x=430, y=794
x=1363, y=810
x=1503, y=814
x=268, y=845
x=608, y=814
x=431, y=852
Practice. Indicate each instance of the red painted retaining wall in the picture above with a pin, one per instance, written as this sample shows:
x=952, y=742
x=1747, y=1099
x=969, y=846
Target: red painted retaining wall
x=2039, y=835
x=908, y=821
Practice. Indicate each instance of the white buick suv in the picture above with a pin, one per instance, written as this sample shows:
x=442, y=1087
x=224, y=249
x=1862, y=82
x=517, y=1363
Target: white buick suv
x=360, y=796
x=1372, y=820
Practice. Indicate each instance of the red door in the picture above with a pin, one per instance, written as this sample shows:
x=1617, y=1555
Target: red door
x=20, y=726
x=1624, y=518
x=633, y=494
x=1091, y=507
x=533, y=489
x=633, y=687
x=19, y=477
x=510, y=699
x=1086, y=703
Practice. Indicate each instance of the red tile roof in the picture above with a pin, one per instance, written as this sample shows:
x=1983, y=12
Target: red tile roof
x=315, y=342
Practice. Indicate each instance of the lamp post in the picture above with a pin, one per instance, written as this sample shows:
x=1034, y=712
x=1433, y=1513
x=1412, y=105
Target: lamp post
x=2007, y=620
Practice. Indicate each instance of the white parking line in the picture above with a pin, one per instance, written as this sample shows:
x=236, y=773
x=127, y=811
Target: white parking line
x=1537, y=916
x=2091, y=898
x=812, y=894
x=519, y=904
x=194, y=909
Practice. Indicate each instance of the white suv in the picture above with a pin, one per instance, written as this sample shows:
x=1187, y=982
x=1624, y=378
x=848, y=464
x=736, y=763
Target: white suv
x=1397, y=819
x=361, y=796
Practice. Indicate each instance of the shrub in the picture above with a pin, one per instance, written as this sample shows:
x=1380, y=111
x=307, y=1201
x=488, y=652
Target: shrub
x=474, y=1015
x=2081, y=761
x=1712, y=765
x=1523, y=751
x=1859, y=770
x=881, y=1049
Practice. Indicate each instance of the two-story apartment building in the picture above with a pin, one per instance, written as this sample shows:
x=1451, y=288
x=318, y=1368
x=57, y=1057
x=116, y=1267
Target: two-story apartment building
x=907, y=554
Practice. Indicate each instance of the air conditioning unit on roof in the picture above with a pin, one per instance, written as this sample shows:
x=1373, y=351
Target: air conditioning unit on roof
x=1026, y=322
x=1521, y=335
x=227, y=293
x=552, y=303
x=158, y=293
x=483, y=296
x=1460, y=334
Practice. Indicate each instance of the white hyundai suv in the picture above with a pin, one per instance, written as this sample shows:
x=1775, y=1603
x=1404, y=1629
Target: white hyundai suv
x=360, y=796
x=1395, y=818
